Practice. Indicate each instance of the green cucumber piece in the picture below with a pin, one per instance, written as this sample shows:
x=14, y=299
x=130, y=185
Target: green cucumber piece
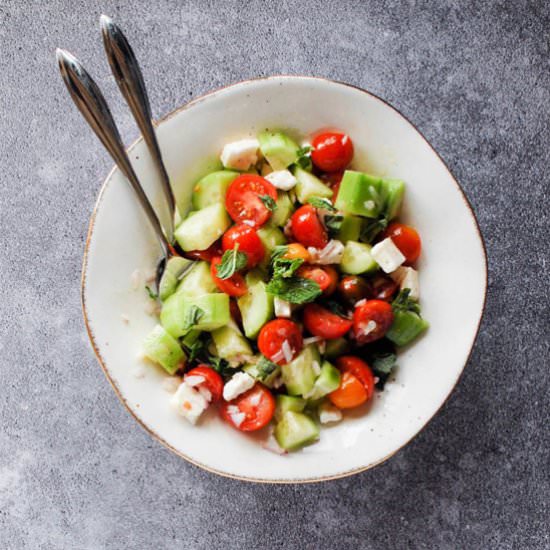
x=270, y=237
x=268, y=380
x=170, y=278
x=328, y=381
x=357, y=259
x=407, y=325
x=198, y=281
x=361, y=194
x=256, y=306
x=350, y=229
x=230, y=343
x=204, y=228
x=284, y=209
x=190, y=338
x=278, y=149
x=310, y=186
x=395, y=189
x=176, y=310
x=337, y=347
x=212, y=188
x=161, y=348
x=295, y=430
x=298, y=375
x=286, y=403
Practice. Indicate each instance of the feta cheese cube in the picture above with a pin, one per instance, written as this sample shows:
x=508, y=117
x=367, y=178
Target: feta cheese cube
x=407, y=277
x=240, y=383
x=240, y=155
x=329, y=413
x=282, y=308
x=387, y=255
x=282, y=179
x=188, y=402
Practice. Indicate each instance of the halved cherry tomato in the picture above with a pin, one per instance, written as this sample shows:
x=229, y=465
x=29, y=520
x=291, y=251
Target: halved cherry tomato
x=359, y=369
x=353, y=288
x=206, y=255
x=273, y=334
x=325, y=276
x=296, y=251
x=248, y=241
x=243, y=202
x=332, y=151
x=212, y=380
x=382, y=287
x=257, y=405
x=307, y=228
x=351, y=392
x=234, y=286
x=371, y=320
x=325, y=324
x=406, y=238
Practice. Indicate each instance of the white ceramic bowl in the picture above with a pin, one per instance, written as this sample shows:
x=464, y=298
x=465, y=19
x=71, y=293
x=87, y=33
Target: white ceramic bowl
x=452, y=274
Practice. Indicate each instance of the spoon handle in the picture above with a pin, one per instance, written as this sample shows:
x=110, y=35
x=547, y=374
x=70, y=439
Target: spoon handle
x=129, y=78
x=91, y=103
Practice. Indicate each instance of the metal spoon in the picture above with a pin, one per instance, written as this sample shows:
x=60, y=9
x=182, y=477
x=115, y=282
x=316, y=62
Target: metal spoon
x=130, y=81
x=91, y=103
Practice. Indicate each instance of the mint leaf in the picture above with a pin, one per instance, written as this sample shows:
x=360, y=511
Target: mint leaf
x=372, y=228
x=295, y=290
x=323, y=203
x=195, y=349
x=269, y=202
x=402, y=302
x=333, y=222
x=232, y=261
x=193, y=315
x=152, y=294
x=265, y=367
x=283, y=267
x=337, y=308
x=219, y=364
x=304, y=158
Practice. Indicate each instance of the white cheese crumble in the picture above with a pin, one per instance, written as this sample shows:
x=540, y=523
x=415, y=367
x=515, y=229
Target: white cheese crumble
x=287, y=351
x=240, y=155
x=239, y=383
x=194, y=380
x=387, y=255
x=329, y=413
x=282, y=179
x=188, y=402
x=407, y=277
x=331, y=254
x=282, y=308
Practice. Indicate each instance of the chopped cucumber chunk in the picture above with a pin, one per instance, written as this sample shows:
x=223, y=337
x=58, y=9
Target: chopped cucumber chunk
x=357, y=259
x=284, y=209
x=295, y=430
x=299, y=375
x=198, y=281
x=350, y=230
x=328, y=381
x=310, y=186
x=286, y=403
x=170, y=278
x=407, y=325
x=212, y=188
x=205, y=227
x=230, y=343
x=160, y=347
x=361, y=194
x=395, y=190
x=278, y=149
x=256, y=306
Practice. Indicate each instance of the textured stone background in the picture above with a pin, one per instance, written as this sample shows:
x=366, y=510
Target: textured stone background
x=77, y=472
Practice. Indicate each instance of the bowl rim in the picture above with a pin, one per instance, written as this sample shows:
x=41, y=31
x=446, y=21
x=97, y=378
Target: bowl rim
x=103, y=364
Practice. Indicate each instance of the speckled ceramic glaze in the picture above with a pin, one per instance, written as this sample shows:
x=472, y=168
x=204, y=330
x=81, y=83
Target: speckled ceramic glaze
x=452, y=275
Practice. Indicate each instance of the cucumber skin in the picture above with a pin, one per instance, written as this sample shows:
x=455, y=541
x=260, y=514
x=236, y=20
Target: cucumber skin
x=406, y=326
x=279, y=150
x=350, y=229
x=161, y=348
x=198, y=281
x=284, y=209
x=328, y=381
x=203, y=228
x=256, y=308
x=355, y=191
x=230, y=343
x=284, y=403
x=170, y=278
x=357, y=259
x=295, y=430
x=212, y=188
x=310, y=186
x=298, y=375
x=395, y=190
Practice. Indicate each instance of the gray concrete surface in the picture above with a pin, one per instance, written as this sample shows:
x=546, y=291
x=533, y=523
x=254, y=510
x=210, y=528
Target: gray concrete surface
x=77, y=472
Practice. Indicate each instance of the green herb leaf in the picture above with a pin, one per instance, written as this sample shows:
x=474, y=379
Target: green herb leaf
x=265, y=367
x=337, y=308
x=295, y=290
x=219, y=364
x=320, y=202
x=232, y=261
x=333, y=222
x=304, y=158
x=152, y=294
x=283, y=267
x=269, y=202
x=195, y=349
x=193, y=315
x=402, y=302
x=381, y=356
x=372, y=228
x=383, y=362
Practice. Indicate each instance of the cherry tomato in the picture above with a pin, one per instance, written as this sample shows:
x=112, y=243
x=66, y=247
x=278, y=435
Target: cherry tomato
x=295, y=251
x=234, y=286
x=406, y=238
x=371, y=320
x=257, y=405
x=359, y=369
x=273, y=334
x=307, y=228
x=332, y=151
x=248, y=241
x=243, y=202
x=206, y=255
x=353, y=288
x=351, y=392
x=212, y=380
x=325, y=276
x=382, y=287
x=325, y=324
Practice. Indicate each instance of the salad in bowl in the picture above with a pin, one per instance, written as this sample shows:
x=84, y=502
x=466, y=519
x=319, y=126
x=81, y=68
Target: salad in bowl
x=295, y=288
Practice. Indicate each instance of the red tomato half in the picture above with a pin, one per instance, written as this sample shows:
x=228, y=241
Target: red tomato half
x=257, y=405
x=243, y=202
x=332, y=151
x=273, y=334
x=406, y=238
x=326, y=276
x=371, y=320
x=234, y=286
x=351, y=392
x=212, y=380
x=382, y=287
x=325, y=324
x=248, y=241
x=307, y=228
x=206, y=255
x=359, y=369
